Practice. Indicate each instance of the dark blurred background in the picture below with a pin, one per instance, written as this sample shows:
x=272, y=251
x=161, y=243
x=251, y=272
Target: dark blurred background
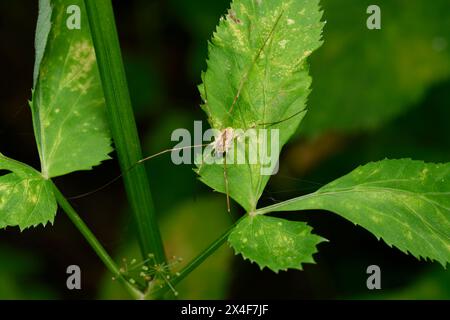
x=376, y=94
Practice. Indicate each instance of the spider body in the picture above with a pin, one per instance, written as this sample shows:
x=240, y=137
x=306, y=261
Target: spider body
x=224, y=141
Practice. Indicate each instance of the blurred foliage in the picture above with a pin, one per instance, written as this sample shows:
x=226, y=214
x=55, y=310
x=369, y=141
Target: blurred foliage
x=430, y=285
x=146, y=89
x=363, y=78
x=190, y=229
x=19, y=274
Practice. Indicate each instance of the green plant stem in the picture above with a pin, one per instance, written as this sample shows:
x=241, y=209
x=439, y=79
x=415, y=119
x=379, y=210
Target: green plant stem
x=123, y=126
x=202, y=257
x=94, y=243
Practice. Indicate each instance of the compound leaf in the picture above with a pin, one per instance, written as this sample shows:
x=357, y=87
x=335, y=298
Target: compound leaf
x=68, y=107
x=275, y=243
x=405, y=202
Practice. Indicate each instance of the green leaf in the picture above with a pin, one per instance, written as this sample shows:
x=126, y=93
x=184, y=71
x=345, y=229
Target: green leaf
x=355, y=65
x=26, y=198
x=68, y=107
x=405, y=202
x=257, y=76
x=274, y=243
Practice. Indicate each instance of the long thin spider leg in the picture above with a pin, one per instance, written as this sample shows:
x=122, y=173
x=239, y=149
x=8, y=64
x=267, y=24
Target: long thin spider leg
x=170, y=150
x=225, y=175
x=131, y=168
x=283, y=120
x=86, y=194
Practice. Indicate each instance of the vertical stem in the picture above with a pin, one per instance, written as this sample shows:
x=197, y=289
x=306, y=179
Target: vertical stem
x=122, y=123
x=93, y=242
